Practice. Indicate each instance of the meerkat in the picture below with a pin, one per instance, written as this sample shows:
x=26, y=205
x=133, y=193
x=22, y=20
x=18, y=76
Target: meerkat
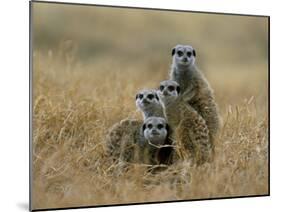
x=134, y=141
x=147, y=101
x=123, y=137
x=190, y=130
x=193, y=83
x=156, y=147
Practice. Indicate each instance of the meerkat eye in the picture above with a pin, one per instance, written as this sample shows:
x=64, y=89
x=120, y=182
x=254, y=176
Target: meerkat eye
x=150, y=96
x=188, y=54
x=160, y=126
x=149, y=126
x=161, y=87
x=180, y=53
x=140, y=96
x=171, y=88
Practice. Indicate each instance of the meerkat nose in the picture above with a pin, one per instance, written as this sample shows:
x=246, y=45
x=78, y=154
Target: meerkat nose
x=185, y=59
x=145, y=101
x=154, y=131
x=165, y=92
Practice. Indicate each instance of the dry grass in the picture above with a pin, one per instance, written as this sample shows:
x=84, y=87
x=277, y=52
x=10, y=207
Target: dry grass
x=82, y=88
x=73, y=111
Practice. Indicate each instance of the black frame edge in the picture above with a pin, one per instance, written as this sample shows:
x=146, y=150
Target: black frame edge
x=30, y=105
x=268, y=57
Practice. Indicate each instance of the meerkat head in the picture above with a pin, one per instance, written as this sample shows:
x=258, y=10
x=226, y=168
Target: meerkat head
x=147, y=100
x=155, y=130
x=169, y=90
x=183, y=55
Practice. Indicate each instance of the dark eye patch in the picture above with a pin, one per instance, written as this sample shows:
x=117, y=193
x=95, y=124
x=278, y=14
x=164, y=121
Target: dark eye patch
x=149, y=126
x=140, y=96
x=180, y=53
x=171, y=88
x=189, y=54
x=160, y=126
x=161, y=87
x=150, y=96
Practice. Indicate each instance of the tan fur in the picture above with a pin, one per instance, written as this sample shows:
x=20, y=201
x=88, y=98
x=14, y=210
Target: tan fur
x=122, y=140
x=191, y=133
x=125, y=143
x=200, y=96
x=203, y=102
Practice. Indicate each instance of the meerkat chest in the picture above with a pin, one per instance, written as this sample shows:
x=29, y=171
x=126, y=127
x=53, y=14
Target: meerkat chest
x=181, y=80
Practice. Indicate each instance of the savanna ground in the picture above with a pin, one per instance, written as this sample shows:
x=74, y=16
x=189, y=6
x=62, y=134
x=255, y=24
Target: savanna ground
x=88, y=64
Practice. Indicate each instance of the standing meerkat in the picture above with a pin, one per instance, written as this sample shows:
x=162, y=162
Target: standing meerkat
x=193, y=83
x=190, y=130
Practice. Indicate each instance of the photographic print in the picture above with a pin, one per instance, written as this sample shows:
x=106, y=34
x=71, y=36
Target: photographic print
x=137, y=105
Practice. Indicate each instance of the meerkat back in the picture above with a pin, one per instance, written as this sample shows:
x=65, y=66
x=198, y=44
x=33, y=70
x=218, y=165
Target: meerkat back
x=122, y=140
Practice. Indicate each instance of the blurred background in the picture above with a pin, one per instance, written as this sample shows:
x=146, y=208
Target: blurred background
x=120, y=34
x=136, y=40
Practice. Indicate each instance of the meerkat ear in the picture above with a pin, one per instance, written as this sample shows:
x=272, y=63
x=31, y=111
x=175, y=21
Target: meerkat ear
x=178, y=89
x=168, y=133
x=156, y=96
x=143, y=127
x=173, y=51
x=194, y=53
x=137, y=96
x=168, y=128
